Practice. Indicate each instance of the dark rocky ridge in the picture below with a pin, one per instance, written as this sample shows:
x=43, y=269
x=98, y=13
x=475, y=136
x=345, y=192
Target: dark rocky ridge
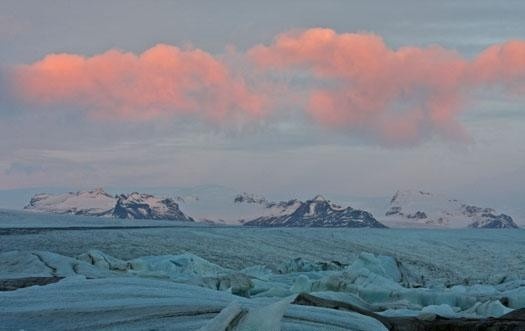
x=319, y=212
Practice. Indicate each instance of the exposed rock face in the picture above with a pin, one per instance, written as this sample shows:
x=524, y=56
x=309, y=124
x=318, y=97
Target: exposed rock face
x=418, y=215
x=250, y=198
x=278, y=208
x=422, y=209
x=318, y=212
x=491, y=221
x=146, y=206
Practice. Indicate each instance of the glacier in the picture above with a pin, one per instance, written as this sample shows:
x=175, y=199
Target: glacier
x=191, y=276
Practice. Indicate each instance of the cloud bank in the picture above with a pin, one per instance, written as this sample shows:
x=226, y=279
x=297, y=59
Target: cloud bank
x=359, y=85
x=398, y=96
x=162, y=81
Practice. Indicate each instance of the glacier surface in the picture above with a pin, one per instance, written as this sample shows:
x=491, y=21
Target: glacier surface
x=195, y=277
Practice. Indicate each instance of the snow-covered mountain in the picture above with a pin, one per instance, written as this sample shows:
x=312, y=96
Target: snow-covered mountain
x=147, y=206
x=262, y=208
x=410, y=208
x=317, y=212
x=91, y=203
x=99, y=203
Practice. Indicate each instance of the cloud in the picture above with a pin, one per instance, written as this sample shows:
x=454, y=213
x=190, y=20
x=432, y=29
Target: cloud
x=501, y=64
x=352, y=82
x=398, y=96
x=162, y=81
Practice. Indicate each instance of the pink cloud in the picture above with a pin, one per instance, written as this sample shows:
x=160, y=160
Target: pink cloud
x=359, y=84
x=162, y=81
x=397, y=96
x=501, y=64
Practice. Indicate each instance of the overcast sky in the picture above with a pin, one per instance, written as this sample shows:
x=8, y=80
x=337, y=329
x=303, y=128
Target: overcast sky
x=358, y=98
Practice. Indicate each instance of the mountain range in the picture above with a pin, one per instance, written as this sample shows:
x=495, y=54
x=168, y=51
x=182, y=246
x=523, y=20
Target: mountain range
x=408, y=208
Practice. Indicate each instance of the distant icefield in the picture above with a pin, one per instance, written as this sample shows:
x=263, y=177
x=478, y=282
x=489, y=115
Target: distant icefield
x=129, y=274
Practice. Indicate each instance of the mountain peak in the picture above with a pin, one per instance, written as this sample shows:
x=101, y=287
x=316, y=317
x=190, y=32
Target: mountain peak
x=317, y=213
x=319, y=198
x=97, y=190
x=147, y=206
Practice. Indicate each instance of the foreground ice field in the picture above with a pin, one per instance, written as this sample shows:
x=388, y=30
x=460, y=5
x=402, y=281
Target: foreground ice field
x=187, y=278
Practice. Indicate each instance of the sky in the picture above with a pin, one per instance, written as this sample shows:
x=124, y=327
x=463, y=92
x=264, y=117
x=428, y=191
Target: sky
x=287, y=98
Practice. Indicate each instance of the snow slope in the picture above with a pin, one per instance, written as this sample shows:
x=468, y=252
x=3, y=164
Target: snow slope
x=423, y=209
x=93, y=203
